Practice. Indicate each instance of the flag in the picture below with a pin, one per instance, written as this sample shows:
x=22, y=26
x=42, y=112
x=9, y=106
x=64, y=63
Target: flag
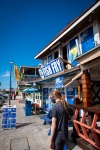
x=72, y=55
x=16, y=73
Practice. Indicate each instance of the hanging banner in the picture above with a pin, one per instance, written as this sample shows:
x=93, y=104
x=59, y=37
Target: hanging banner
x=59, y=82
x=51, y=68
x=16, y=73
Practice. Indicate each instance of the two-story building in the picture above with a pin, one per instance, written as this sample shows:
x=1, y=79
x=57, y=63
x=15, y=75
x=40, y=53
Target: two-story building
x=28, y=74
x=61, y=58
x=71, y=63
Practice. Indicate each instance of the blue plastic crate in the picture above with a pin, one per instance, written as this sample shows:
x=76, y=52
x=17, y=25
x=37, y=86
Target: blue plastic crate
x=9, y=125
x=4, y=126
x=9, y=117
x=9, y=109
x=13, y=120
x=4, y=110
x=13, y=115
x=8, y=121
x=9, y=114
x=13, y=109
x=5, y=115
x=4, y=121
x=13, y=125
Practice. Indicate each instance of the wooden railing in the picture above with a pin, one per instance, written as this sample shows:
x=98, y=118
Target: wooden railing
x=86, y=124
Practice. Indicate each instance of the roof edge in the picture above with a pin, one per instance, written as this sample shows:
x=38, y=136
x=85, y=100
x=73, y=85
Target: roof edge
x=70, y=27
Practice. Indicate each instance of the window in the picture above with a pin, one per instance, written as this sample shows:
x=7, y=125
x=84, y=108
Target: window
x=50, y=58
x=56, y=55
x=73, y=52
x=87, y=40
x=45, y=61
x=64, y=54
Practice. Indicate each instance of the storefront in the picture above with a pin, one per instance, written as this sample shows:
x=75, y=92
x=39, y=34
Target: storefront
x=53, y=76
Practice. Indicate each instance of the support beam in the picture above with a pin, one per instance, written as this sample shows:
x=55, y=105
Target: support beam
x=86, y=89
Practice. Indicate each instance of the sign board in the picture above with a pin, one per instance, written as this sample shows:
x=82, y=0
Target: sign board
x=72, y=92
x=59, y=82
x=51, y=68
x=8, y=117
x=45, y=98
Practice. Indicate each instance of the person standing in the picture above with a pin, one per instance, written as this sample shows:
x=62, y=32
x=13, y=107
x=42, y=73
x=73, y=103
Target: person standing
x=14, y=96
x=59, y=127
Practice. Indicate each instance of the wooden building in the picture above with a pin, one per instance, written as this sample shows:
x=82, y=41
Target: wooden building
x=72, y=60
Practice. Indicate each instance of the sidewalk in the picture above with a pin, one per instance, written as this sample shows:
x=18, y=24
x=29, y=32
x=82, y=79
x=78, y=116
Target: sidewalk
x=30, y=132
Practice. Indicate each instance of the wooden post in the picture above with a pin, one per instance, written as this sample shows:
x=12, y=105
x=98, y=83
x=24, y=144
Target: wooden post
x=79, y=91
x=86, y=89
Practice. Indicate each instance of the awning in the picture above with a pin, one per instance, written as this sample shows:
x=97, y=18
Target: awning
x=53, y=77
x=74, y=79
x=30, y=90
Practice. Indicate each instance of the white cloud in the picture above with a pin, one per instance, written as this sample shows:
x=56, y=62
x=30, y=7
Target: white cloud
x=7, y=74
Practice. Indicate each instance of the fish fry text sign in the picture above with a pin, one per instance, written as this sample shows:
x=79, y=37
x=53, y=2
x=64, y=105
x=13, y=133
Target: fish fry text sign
x=51, y=68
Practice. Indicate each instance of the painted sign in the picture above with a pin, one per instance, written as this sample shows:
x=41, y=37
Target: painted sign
x=51, y=68
x=59, y=82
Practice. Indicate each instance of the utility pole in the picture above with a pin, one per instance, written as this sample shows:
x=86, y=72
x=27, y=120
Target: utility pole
x=11, y=64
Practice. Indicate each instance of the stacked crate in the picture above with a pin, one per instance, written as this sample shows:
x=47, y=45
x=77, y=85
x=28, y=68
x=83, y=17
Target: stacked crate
x=8, y=117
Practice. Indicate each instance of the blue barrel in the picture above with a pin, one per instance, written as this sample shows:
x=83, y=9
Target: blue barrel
x=28, y=108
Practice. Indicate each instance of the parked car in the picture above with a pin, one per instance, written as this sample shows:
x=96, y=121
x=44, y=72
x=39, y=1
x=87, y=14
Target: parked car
x=3, y=97
x=6, y=96
x=1, y=100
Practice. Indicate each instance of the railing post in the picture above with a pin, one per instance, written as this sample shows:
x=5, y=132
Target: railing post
x=90, y=119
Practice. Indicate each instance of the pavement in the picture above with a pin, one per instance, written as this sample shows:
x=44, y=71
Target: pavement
x=30, y=133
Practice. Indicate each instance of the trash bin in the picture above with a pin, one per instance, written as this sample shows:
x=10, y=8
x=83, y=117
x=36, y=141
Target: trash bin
x=28, y=108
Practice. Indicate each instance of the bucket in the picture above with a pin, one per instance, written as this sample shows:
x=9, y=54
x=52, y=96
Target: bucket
x=18, y=100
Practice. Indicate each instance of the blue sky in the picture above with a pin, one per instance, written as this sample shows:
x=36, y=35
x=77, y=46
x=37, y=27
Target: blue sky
x=27, y=26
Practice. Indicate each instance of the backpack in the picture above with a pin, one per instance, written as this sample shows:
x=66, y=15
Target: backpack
x=70, y=110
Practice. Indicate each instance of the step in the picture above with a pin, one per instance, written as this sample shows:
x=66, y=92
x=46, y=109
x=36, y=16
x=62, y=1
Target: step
x=85, y=145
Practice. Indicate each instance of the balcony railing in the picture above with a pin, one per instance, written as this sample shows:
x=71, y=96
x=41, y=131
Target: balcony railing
x=87, y=124
x=30, y=78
